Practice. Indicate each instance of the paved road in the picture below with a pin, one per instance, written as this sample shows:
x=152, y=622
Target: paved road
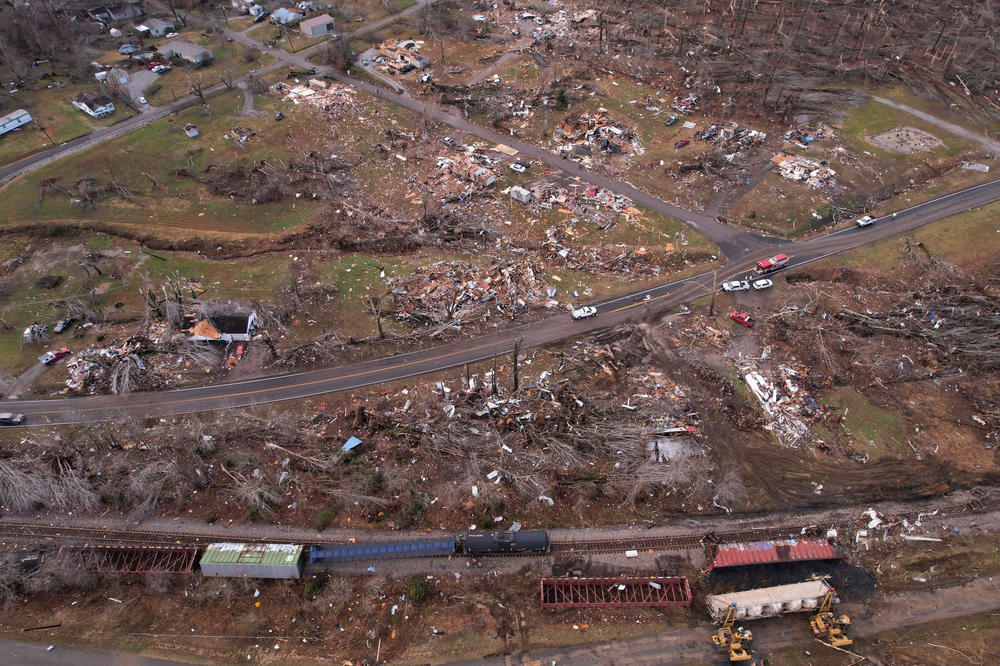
x=557, y=328
x=38, y=654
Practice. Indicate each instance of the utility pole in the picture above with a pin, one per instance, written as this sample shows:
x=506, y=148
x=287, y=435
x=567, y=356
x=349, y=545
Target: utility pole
x=715, y=283
x=39, y=126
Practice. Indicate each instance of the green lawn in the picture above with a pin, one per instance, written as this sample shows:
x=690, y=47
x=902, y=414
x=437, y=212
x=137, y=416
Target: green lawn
x=970, y=238
x=177, y=204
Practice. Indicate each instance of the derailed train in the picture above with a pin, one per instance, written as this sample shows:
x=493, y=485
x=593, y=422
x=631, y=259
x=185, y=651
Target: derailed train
x=473, y=543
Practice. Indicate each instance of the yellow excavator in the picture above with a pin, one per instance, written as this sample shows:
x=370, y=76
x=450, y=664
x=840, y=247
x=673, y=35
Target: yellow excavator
x=829, y=627
x=727, y=640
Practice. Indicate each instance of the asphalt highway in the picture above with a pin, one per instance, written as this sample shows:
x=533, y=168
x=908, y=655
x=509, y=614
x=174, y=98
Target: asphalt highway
x=553, y=329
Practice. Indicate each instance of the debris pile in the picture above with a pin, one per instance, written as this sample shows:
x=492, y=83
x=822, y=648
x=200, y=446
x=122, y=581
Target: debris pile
x=400, y=57
x=99, y=369
x=803, y=135
x=731, y=138
x=450, y=292
x=240, y=135
x=685, y=105
x=803, y=170
x=333, y=101
x=584, y=133
x=790, y=407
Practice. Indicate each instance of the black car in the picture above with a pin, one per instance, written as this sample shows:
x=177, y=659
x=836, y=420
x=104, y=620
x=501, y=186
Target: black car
x=9, y=418
x=63, y=324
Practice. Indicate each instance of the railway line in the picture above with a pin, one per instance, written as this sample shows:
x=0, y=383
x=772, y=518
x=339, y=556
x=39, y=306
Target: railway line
x=18, y=534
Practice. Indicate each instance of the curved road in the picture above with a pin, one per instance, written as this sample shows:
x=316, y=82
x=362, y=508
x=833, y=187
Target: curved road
x=550, y=330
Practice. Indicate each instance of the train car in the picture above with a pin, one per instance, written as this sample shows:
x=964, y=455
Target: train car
x=522, y=541
x=381, y=550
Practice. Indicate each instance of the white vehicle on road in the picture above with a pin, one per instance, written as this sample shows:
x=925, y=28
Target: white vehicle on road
x=584, y=312
x=517, y=167
x=142, y=100
x=736, y=285
x=865, y=221
x=762, y=284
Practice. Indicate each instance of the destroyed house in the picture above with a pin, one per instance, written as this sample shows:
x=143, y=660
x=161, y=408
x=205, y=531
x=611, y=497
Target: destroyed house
x=96, y=106
x=117, y=12
x=237, y=327
x=155, y=27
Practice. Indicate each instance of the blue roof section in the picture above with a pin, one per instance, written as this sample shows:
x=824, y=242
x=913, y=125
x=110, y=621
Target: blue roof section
x=351, y=443
x=352, y=552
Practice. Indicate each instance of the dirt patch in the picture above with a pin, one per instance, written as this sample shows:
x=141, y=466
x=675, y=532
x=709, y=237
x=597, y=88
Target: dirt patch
x=906, y=140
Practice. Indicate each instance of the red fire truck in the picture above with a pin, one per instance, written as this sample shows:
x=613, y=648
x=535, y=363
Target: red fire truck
x=771, y=264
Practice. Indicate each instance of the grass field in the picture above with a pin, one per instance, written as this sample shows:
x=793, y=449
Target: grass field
x=176, y=204
x=971, y=239
x=54, y=116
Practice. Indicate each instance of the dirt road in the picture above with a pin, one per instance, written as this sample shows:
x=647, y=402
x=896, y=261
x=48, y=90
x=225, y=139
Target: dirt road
x=692, y=645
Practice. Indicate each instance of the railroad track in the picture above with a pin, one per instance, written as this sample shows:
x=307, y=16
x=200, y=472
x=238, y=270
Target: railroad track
x=19, y=533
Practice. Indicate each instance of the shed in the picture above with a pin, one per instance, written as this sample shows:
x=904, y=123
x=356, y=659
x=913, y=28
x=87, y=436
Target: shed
x=252, y=560
x=520, y=194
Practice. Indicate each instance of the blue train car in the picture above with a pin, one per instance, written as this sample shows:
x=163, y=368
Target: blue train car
x=381, y=550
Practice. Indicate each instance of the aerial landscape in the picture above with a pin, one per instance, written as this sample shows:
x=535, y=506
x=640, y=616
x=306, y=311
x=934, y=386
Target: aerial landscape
x=447, y=331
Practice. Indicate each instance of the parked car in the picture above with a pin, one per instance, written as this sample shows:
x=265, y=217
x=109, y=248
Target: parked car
x=683, y=142
x=865, y=221
x=54, y=356
x=585, y=312
x=742, y=317
x=671, y=121
x=517, y=167
x=9, y=418
x=260, y=17
x=161, y=69
x=448, y=141
x=63, y=324
x=142, y=100
x=735, y=285
x=762, y=284
x=170, y=35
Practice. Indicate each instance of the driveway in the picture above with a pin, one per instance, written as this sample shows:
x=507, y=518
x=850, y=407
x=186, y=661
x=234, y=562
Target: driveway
x=139, y=81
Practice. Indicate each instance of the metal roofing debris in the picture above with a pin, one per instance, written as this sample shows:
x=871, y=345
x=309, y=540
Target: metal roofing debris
x=350, y=444
x=773, y=551
x=615, y=592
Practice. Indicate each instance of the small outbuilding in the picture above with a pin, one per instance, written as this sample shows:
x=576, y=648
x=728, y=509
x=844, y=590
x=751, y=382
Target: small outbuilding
x=252, y=560
x=520, y=194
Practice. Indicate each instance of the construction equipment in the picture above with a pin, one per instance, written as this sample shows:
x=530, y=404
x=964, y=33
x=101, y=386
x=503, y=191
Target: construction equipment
x=728, y=640
x=829, y=627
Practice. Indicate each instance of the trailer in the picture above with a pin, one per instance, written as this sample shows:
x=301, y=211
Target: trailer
x=769, y=601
